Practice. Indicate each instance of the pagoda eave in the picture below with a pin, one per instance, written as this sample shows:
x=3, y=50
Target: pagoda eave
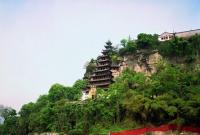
x=102, y=84
x=101, y=70
x=106, y=65
x=103, y=79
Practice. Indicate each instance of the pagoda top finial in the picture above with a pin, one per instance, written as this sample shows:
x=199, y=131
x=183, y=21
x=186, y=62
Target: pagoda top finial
x=108, y=42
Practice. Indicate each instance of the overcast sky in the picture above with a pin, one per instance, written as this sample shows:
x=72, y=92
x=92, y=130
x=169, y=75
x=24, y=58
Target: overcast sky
x=43, y=42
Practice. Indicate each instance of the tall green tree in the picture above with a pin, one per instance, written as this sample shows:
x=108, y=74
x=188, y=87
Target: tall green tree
x=145, y=41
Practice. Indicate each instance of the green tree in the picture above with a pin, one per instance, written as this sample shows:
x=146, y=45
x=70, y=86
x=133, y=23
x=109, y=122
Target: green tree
x=128, y=47
x=145, y=41
x=195, y=42
x=90, y=67
x=24, y=121
x=10, y=123
x=56, y=92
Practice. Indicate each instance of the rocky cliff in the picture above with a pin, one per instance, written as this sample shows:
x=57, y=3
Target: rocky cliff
x=146, y=61
x=143, y=61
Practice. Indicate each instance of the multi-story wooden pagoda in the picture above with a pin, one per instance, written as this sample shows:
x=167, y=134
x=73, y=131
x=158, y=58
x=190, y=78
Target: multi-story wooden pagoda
x=102, y=76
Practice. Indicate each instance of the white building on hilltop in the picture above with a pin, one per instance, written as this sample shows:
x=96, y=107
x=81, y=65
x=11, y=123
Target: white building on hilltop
x=184, y=34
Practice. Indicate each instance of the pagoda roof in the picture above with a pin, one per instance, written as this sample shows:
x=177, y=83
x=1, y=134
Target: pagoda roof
x=105, y=65
x=102, y=84
x=100, y=74
x=108, y=46
x=102, y=56
x=105, y=51
x=102, y=79
x=108, y=43
x=100, y=60
x=102, y=70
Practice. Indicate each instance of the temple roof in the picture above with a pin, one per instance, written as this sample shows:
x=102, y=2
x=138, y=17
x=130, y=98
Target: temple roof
x=102, y=79
x=104, y=74
x=108, y=43
x=100, y=60
x=105, y=65
x=102, y=70
x=102, y=56
x=102, y=84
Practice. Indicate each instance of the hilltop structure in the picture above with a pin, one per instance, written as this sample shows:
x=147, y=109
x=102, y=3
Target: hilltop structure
x=184, y=34
x=105, y=73
x=102, y=76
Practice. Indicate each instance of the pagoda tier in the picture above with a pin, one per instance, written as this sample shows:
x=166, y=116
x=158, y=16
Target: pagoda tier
x=102, y=57
x=103, y=65
x=101, y=70
x=105, y=60
x=103, y=85
x=105, y=52
x=101, y=79
x=108, y=45
x=102, y=76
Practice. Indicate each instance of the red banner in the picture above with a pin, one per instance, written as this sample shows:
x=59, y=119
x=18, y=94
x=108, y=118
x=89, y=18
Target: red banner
x=162, y=128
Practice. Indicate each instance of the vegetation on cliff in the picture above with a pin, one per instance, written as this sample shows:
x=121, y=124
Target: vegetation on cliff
x=171, y=95
x=186, y=48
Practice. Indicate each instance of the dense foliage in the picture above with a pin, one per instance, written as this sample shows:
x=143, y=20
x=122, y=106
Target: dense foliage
x=90, y=67
x=171, y=95
x=185, y=48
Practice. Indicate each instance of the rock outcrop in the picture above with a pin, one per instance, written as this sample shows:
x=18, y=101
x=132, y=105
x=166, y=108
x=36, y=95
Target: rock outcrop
x=143, y=61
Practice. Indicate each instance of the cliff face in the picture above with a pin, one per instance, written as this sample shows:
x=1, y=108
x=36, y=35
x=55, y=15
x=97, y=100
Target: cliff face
x=143, y=61
x=146, y=61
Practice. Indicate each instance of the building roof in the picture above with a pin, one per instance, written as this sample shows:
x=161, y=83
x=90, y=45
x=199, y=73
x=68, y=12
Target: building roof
x=188, y=31
x=179, y=32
